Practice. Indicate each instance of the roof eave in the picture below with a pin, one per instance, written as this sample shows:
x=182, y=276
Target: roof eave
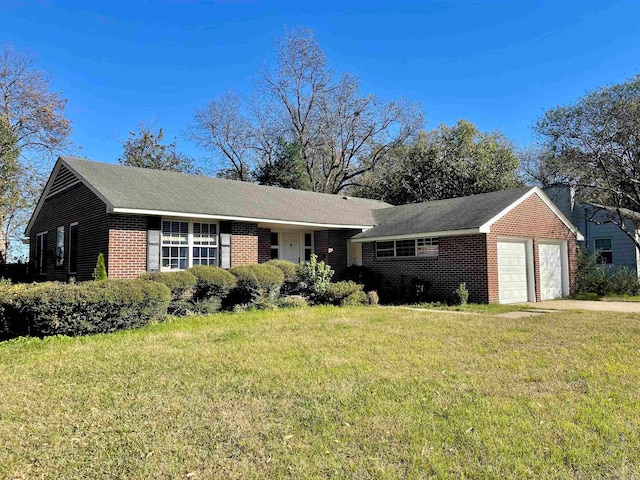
x=409, y=236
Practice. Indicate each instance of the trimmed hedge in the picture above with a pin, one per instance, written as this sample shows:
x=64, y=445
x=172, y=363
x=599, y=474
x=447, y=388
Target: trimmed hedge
x=365, y=276
x=181, y=283
x=53, y=308
x=212, y=282
x=256, y=282
x=343, y=293
x=290, y=271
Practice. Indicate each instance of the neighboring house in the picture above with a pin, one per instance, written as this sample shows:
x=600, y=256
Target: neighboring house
x=613, y=246
x=509, y=246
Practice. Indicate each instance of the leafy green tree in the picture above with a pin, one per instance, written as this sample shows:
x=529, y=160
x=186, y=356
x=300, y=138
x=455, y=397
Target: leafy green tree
x=594, y=145
x=285, y=169
x=32, y=130
x=444, y=163
x=145, y=149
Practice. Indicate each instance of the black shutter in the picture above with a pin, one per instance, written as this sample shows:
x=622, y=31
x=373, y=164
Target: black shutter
x=154, y=233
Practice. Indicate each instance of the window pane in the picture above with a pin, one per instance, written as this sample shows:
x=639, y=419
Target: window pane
x=405, y=248
x=427, y=247
x=274, y=254
x=307, y=254
x=603, y=243
x=307, y=239
x=204, y=234
x=274, y=238
x=59, y=246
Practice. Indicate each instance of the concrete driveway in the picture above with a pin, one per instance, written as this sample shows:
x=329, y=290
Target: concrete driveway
x=628, y=307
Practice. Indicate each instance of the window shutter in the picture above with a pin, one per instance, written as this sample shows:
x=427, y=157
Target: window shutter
x=153, y=243
x=225, y=250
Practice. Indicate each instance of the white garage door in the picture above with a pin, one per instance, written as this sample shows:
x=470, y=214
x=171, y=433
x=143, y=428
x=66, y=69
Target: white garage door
x=512, y=272
x=550, y=271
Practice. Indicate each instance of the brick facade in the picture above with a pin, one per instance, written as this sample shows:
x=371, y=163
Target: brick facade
x=127, y=246
x=264, y=245
x=473, y=259
x=535, y=220
x=244, y=243
x=460, y=259
x=76, y=204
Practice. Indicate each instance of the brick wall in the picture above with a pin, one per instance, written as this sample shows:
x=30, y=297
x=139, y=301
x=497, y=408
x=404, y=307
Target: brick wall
x=127, y=256
x=244, y=243
x=336, y=240
x=264, y=245
x=77, y=204
x=531, y=219
x=460, y=259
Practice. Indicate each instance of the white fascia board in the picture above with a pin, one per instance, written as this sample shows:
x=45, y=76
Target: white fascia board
x=138, y=211
x=486, y=227
x=409, y=236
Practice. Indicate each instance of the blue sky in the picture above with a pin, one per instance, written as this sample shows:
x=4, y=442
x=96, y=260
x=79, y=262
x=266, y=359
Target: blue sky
x=498, y=64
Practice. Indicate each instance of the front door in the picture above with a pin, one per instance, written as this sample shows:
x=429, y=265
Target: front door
x=291, y=247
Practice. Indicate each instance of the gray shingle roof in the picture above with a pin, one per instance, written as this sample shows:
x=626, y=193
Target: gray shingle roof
x=147, y=189
x=442, y=215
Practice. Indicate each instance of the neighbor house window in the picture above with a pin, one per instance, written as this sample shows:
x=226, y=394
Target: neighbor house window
x=41, y=253
x=604, y=249
x=275, y=245
x=416, y=247
x=73, y=248
x=308, y=246
x=205, y=244
x=59, y=246
x=175, y=241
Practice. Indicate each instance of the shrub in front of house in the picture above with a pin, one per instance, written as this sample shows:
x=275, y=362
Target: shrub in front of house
x=86, y=308
x=212, y=282
x=343, y=293
x=593, y=276
x=313, y=278
x=373, y=297
x=365, y=276
x=181, y=283
x=461, y=295
x=255, y=283
x=290, y=271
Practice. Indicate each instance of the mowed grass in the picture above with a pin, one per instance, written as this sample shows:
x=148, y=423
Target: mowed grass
x=328, y=393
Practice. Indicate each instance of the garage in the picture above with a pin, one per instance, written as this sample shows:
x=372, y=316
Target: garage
x=513, y=284
x=552, y=266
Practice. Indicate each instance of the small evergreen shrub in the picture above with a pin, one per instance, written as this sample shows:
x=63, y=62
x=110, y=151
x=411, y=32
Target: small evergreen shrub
x=292, y=301
x=373, y=297
x=343, y=293
x=461, y=294
x=212, y=282
x=100, y=272
x=314, y=278
x=255, y=282
x=180, y=283
x=53, y=308
x=206, y=306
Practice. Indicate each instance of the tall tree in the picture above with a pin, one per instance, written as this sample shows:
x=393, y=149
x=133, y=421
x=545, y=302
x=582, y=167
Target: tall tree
x=594, y=145
x=444, y=163
x=32, y=129
x=341, y=133
x=285, y=168
x=145, y=149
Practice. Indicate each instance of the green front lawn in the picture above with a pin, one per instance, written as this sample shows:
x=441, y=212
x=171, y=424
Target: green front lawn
x=328, y=393
x=606, y=298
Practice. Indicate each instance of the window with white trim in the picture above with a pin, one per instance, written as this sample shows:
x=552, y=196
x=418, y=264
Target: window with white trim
x=415, y=247
x=604, y=249
x=175, y=245
x=59, y=246
x=41, y=253
x=205, y=244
